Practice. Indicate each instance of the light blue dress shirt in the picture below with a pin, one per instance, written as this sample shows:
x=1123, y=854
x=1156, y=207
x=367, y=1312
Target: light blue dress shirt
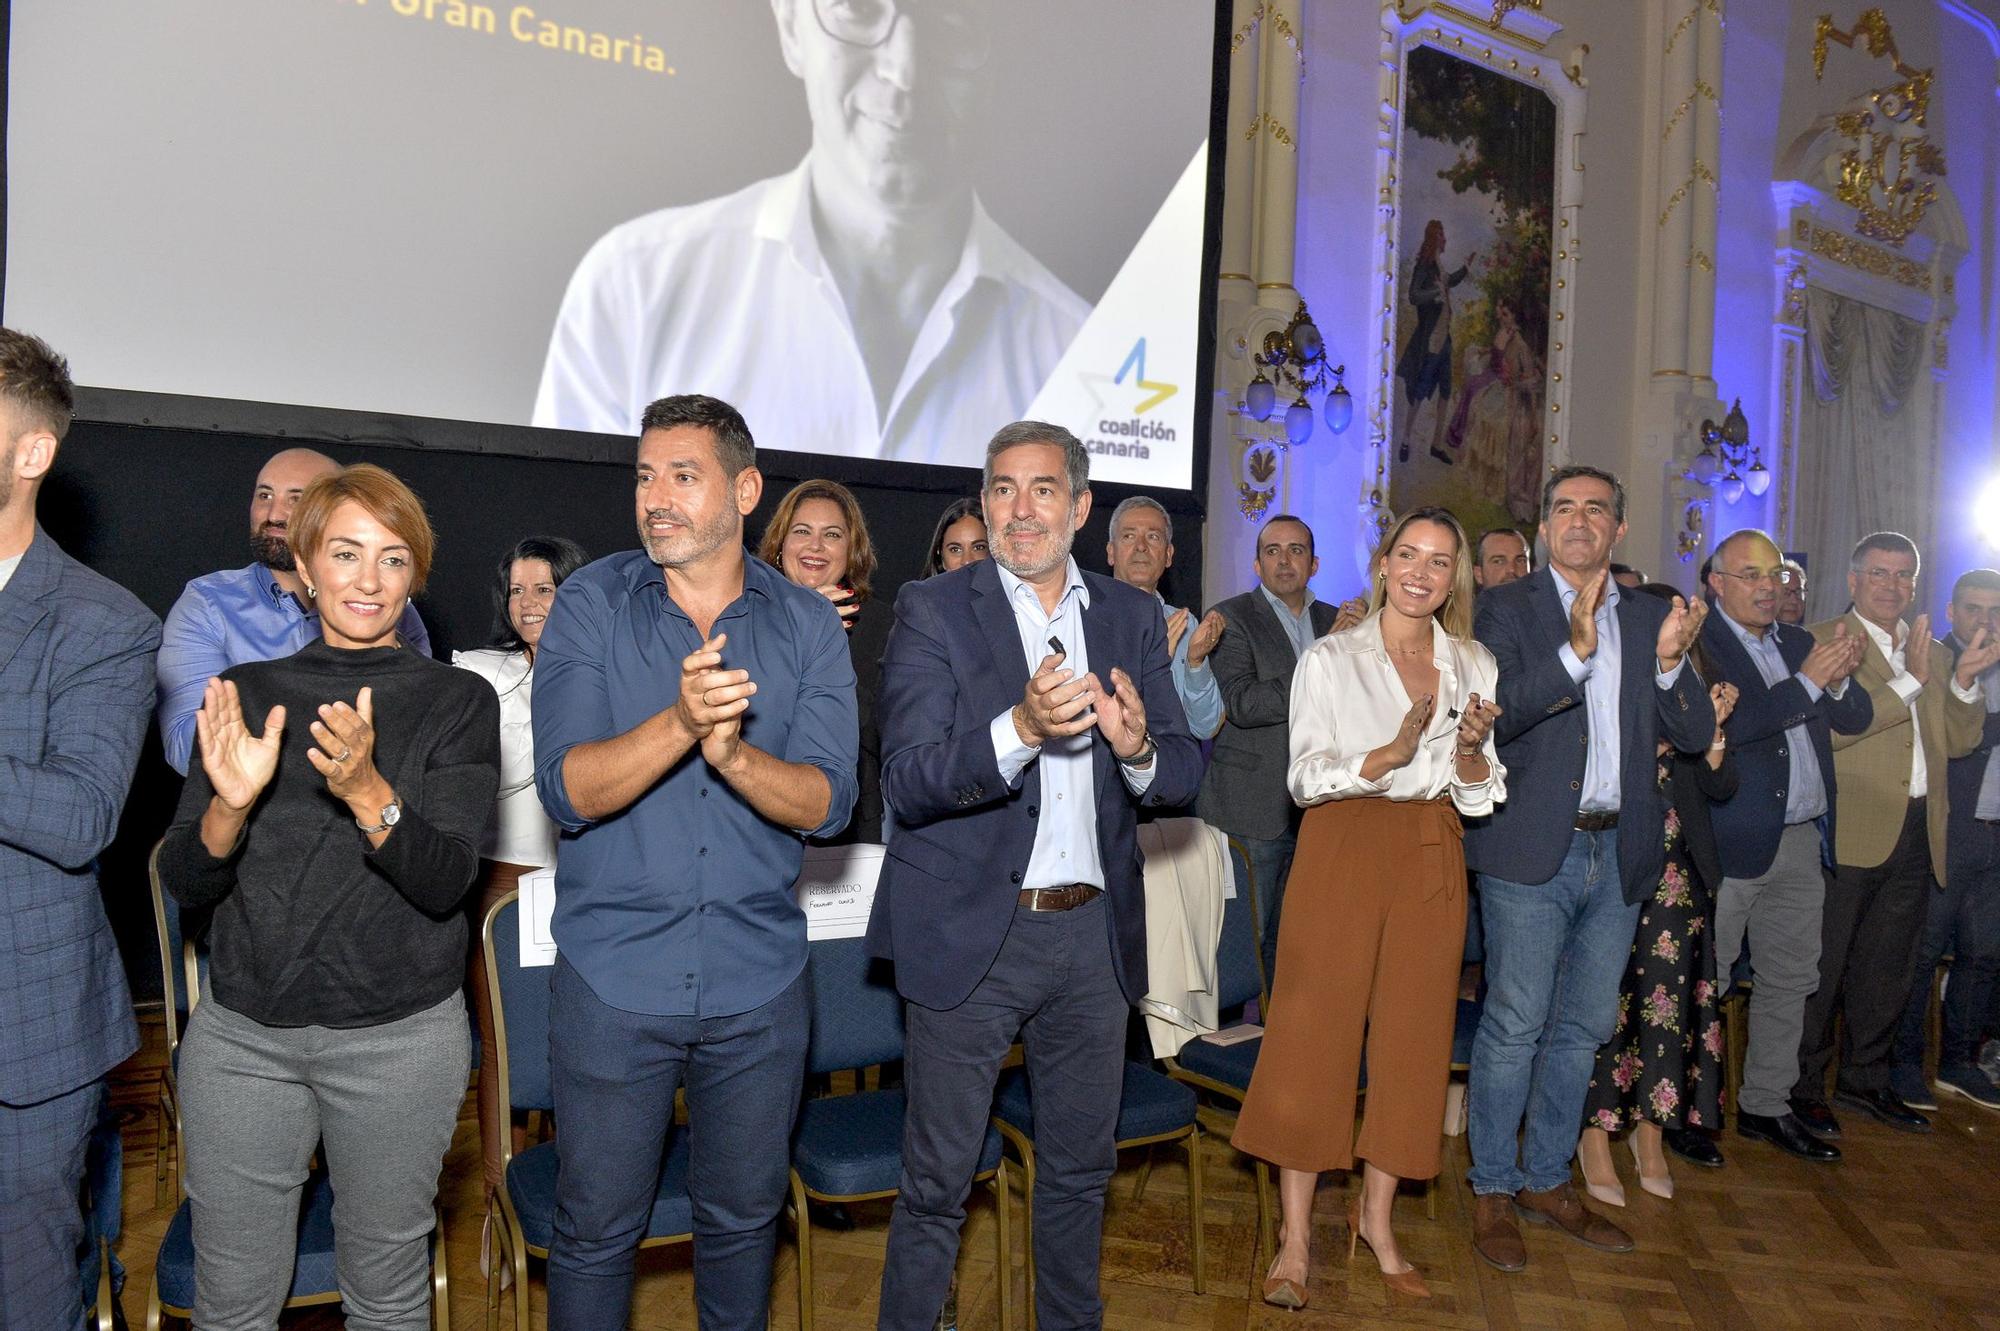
x=1299, y=627
x=1065, y=848
x=1600, y=678
x=1805, y=787
x=225, y=619
x=1200, y=692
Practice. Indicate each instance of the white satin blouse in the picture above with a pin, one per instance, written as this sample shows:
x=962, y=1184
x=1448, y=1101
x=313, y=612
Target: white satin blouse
x=1347, y=701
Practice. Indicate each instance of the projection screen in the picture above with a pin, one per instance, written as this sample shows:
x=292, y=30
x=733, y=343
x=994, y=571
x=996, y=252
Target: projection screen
x=880, y=229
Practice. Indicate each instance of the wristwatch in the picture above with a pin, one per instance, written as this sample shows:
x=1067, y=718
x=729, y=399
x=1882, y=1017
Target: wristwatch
x=392, y=813
x=1144, y=755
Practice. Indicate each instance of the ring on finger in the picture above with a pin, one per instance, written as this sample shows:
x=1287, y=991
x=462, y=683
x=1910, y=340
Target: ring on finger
x=345, y=754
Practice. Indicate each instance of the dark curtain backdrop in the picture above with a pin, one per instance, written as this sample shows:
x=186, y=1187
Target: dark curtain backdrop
x=152, y=508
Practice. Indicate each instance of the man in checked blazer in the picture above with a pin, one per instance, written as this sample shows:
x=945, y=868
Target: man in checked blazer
x=1889, y=850
x=1243, y=792
x=76, y=671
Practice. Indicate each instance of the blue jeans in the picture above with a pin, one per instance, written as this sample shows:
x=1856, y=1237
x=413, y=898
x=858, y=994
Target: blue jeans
x=1270, y=865
x=1964, y=920
x=1555, y=955
x=613, y=1074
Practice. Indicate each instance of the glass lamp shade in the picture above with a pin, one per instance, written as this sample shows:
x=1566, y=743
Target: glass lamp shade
x=1260, y=398
x=1339, y=409
x=1306, y=343
x=1298, y=422
x=1730, y=487
x=1705, y=465
x=1758, y=480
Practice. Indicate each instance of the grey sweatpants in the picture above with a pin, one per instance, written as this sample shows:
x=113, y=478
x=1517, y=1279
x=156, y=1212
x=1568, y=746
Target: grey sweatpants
x=257, y=1100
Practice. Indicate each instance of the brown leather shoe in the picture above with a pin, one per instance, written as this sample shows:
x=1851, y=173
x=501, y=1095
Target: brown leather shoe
x=1560, y=1207
x=1495, y=1237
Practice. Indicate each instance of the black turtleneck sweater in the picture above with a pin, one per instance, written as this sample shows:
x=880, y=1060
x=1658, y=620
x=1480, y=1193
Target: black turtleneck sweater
x=313, y=926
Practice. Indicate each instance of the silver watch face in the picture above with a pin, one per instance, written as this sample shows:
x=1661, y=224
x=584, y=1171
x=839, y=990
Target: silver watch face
x=392, y=814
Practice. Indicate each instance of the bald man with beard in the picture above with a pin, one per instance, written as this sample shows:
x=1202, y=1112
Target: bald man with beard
x=257, y=613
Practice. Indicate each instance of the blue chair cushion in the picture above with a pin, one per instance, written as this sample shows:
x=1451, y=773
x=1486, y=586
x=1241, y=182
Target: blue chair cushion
x=531, y=1184
x=1229, y=1064
x=1152, y=1103
x=313, y=1274
x=850, y=1145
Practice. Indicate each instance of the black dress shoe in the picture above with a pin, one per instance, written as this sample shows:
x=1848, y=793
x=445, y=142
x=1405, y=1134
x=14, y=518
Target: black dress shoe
x=1885, y=1106
x=1694, y=1146
x=1816, y=1118
x=1787, y=1134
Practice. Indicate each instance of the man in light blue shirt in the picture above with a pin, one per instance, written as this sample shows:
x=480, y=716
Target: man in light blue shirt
x=258, y=613
x=1140, y=551
x=1590, y=682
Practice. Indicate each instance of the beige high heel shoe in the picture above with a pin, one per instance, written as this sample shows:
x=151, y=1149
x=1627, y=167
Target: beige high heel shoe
x=1607, y=1190
x=1660, y=1185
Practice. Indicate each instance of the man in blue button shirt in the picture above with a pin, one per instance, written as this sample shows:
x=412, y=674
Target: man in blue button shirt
x=1590, y=681
x=694, y=722
x=257, y=613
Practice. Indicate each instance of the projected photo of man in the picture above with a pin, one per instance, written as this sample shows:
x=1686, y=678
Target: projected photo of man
x=863, y=303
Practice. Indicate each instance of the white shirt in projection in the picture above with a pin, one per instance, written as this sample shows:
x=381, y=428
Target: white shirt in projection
x=732, y=298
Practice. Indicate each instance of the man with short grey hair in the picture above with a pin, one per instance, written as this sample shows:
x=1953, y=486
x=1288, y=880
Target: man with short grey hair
x=1027, y=709
x=1140, y=550
x=1890, y=847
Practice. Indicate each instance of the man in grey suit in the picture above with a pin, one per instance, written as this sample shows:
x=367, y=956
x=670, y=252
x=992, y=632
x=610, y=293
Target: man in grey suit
x=76, y=668
x=1243, y=792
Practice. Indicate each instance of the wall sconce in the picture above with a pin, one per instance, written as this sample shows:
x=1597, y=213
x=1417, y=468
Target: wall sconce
x=1295, y=358
x=1726, y=450
x=1693, y=532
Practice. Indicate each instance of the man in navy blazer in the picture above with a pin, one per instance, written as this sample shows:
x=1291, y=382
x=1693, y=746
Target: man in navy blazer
x=1027, y=709
x=1590, y=680
x=1773, y=834
x=76, y=669
x=1964, y=915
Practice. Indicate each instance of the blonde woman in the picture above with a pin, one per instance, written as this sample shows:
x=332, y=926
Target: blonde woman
x=1391, y=741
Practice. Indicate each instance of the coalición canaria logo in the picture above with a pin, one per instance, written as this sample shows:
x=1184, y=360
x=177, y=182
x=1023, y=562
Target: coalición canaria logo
x=1127, y=433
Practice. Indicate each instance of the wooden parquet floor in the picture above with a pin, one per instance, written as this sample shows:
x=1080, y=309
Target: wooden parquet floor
x=1903, y=1234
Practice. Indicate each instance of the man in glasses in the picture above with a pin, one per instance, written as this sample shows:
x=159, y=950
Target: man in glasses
x=861, y=304
x=1890, y=850
x=1791, y=694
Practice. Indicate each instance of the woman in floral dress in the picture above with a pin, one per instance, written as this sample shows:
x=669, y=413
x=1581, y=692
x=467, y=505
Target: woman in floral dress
x=1661, y=1071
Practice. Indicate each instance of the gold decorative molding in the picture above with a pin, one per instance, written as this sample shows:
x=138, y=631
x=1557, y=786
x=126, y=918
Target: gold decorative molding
x=1793, y=311
x=1688, y=20
x=1701, y=89
x=1845, y=250
x=1279, y=24
x=1264, y=121
x=1887, y=171
x=1941, y=346
x=1788, y=430
x=1701, y=172
x=1501, y=8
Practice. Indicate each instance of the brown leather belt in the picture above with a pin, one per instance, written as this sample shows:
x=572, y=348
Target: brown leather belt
x=1597, y=821
x=1058, y=898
